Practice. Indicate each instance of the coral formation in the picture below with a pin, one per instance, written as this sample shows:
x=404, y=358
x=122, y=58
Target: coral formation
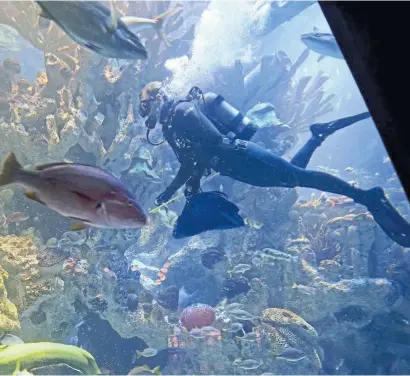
x=323, y=264
x=286, y=329
x=8, y=312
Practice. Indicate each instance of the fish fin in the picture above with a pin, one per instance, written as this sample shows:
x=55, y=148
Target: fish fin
x=159, y=24
x=138, y=354
x=33, y=196
x=156, y=370
x=163, y=36
x=80, y=220
x=17, y=369
x=10, y=166
x=114, y=20
x=315, y=28
x=169, y=13
x=48, y=165
x=78, y=226
x=321, y=57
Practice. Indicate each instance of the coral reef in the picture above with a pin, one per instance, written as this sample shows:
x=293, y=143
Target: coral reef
x=318, y=273
x=8, y=312
x=32, y=277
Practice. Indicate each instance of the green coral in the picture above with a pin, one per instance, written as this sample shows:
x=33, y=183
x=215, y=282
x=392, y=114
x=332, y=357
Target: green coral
x=8, y=312
x=41, y=354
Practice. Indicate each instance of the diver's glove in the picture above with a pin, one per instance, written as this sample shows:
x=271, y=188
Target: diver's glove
x=163, y=197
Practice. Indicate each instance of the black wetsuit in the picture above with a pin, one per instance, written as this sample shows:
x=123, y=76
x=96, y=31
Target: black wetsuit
x=199, y=146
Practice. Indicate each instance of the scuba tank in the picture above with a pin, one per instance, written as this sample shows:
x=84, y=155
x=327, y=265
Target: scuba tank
x=226, y=117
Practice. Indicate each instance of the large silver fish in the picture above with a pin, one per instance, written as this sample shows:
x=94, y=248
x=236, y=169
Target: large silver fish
x=96, y=27
x=87, y=194
x=323, y=43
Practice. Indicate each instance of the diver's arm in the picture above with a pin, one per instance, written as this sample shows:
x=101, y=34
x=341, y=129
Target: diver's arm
x=184, y=173
x=193, y=185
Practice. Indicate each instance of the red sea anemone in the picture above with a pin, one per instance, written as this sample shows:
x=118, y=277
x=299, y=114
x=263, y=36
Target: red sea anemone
x=197, y=316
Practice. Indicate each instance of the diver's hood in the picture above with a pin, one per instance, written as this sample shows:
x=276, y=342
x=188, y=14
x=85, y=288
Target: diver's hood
x=150, y=90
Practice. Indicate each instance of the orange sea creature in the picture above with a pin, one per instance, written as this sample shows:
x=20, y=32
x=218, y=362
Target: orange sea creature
x=162, y=274
x=110, y=75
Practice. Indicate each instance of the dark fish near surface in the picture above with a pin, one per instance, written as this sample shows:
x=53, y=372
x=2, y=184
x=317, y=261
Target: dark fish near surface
x=89, y=195
x=94, y=26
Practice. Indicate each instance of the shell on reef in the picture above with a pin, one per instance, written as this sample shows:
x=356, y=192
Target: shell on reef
x=197, y=316
x=132, y=302
x=283, y=317
x=12, y=65
x=5, y=82
x=50, y=256
x=211, y=257
x=235, y=285
x=168, y=298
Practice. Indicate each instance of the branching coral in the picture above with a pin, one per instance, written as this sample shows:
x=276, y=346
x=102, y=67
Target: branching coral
x=325, y=246
x=24, y=17
x=297, y=103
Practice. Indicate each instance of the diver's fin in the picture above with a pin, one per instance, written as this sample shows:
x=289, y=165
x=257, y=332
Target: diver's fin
x=320, y=58
x=78, y=226
x=10, y=166
x=159, y=22
x=114, y=20
x=33, y=196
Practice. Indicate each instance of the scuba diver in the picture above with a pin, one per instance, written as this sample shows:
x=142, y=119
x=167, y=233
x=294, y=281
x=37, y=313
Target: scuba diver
x=206, y=132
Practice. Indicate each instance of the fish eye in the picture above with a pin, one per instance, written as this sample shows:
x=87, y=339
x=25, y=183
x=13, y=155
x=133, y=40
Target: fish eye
x=130, y=203
x=99, y=206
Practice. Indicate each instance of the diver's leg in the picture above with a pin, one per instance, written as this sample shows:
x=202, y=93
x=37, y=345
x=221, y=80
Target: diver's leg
x=320, y=131
x=252, y=164
x=387, y=217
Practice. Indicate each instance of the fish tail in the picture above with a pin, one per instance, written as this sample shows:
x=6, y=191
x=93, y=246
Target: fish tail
x=156, y=370
x=138, y=354
x=10, y=167
x=159, y=22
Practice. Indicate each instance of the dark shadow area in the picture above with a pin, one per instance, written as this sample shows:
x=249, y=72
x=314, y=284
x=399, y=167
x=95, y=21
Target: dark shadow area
x=113, y=352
